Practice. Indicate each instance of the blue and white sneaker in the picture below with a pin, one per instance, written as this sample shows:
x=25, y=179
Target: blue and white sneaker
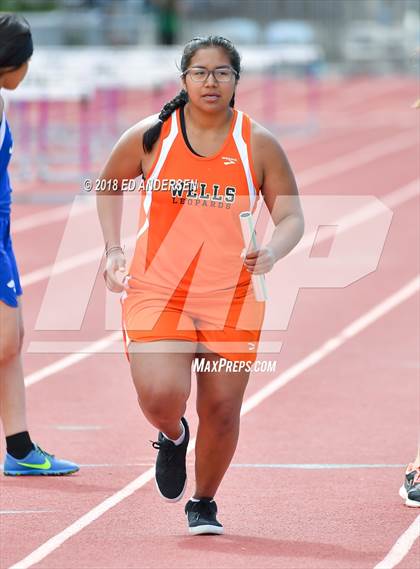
x=38, y=463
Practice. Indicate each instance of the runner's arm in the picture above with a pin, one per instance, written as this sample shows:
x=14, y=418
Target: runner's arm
x=281, y=196
x=124, y=163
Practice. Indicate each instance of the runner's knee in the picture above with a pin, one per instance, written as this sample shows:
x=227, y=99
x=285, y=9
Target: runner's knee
x=223, y=416
x=163, y=402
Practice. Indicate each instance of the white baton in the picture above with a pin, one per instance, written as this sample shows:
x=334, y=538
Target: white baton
x=250, y=242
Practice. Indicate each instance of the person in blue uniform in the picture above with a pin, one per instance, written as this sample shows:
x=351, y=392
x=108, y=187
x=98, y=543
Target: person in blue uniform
x=23, y=457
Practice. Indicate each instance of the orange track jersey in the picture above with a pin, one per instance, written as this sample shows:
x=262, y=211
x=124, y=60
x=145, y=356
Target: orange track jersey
x=187, y=280
x=189, y=220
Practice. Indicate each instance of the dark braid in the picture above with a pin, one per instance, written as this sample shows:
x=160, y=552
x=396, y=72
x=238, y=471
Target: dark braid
x=178, y=101
x=152, y=134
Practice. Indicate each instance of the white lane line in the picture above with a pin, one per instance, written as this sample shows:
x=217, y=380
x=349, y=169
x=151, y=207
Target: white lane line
x=53, y=543
x=333, y=343
x=316, y=174
x=50, y=216
x=67, y=361
x=405, y=193
x=288, y=375
x=79, y=427
x=65, y=346
x=64, y=266
x=401, y=547
x=393, y=199
x=13, y=512
x=256, y=465
x=349, y=94
x=360, y=157
x=370, y=91
x=318, y=466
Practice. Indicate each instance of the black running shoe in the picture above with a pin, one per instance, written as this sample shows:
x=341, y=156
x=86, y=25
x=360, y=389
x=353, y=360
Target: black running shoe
x=410, y=490
x=201, y=517
x=171, y=471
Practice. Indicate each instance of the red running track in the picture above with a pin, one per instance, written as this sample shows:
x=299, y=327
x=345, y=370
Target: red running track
x=290, y=499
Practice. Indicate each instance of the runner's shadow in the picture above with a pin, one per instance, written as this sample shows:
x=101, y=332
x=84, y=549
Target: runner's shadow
x=276, y=548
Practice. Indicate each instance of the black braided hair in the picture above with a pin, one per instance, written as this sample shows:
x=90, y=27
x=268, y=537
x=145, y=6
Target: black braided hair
x=152, y=134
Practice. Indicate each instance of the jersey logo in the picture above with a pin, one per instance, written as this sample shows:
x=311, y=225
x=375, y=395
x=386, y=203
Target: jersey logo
x=11, y=284
x=227, y=160
x=201, y=193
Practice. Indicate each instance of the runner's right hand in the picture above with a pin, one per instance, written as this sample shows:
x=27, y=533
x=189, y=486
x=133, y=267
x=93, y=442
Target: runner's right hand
x=115, y=272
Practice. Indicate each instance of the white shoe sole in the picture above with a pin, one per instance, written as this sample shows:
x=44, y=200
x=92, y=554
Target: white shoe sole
x=411, y=503
x=172, y=500
x=200, y=530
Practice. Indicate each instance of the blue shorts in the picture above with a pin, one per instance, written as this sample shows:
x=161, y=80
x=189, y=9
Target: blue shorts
x=10, y=287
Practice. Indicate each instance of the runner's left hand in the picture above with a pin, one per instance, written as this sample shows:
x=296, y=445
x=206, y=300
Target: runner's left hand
x=259, y=261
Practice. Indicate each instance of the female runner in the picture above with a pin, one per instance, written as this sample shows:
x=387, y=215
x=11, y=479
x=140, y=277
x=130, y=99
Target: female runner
x=188, y=289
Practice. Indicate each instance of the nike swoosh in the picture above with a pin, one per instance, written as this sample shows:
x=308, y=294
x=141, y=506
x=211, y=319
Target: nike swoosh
x=44, y=466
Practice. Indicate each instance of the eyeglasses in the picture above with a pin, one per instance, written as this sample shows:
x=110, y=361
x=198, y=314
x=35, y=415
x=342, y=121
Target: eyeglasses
x=201, y=74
